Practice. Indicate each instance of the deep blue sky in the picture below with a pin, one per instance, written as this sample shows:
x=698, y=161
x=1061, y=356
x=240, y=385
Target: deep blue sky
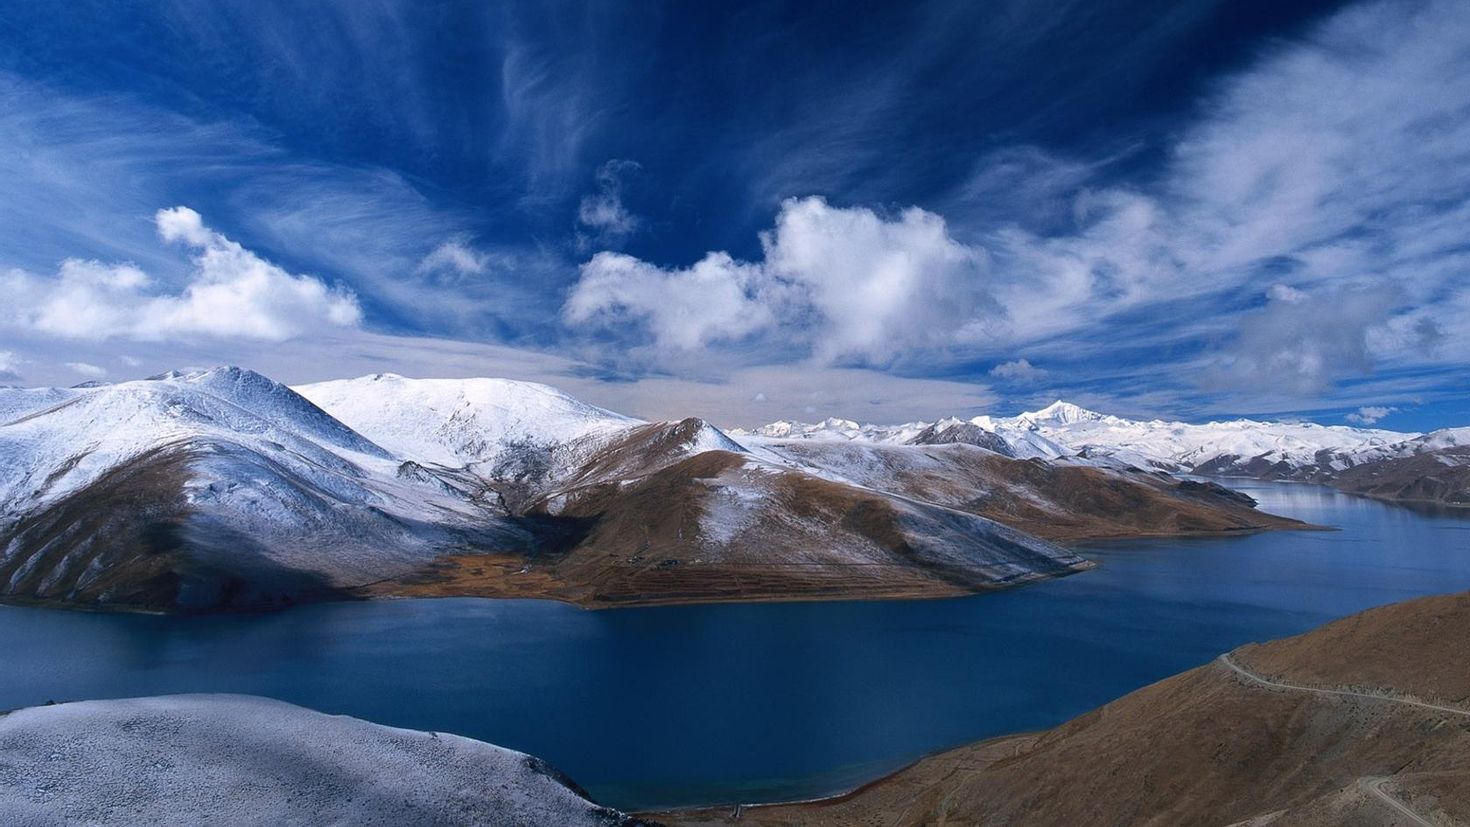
x=1158, y=208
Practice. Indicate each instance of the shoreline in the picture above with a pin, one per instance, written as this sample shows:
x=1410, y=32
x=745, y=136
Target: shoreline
x=842, y=795
x=407, y=589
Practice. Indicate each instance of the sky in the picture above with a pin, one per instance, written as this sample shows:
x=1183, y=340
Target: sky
x=754, y=211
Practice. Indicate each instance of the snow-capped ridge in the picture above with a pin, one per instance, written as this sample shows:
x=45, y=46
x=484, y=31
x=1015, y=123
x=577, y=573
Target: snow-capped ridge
x=1065, y=431
x=1063, y=413
x=459, y=422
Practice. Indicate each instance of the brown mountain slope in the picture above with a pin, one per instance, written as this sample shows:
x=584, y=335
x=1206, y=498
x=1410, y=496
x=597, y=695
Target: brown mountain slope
x=677, y=512
x=1365, y=721
x=718, y=526
x=1433, y=477
x=1063, y=503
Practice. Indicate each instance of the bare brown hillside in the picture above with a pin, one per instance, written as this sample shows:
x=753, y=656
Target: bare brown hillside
x=660, y=516
x=1361, y=722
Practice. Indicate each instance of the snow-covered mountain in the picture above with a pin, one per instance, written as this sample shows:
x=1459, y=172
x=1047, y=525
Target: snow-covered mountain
x=215, y=487
x=460, y=422
x=1289, y=450
x=224, y=488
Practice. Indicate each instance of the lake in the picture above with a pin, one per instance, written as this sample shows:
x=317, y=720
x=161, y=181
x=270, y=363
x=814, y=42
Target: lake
x=702, y=704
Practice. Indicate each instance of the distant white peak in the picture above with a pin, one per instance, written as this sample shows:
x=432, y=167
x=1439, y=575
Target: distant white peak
x=1444, y=438
x=458, y=421
x=1063, y=413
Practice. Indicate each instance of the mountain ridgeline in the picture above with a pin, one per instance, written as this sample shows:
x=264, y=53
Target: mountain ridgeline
x=222, y=489
x=1405, y=467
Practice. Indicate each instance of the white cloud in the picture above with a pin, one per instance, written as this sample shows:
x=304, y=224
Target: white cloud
x=717, y=300
x=845, y=284
x=88, y=370
x=1286, y=293
x=456, y=257
x=1017, y=370
x=603, y=212
x=1336, y=168
x=1369, y=415
x=231, y=293
x=1343, y=160
x=1300, y=342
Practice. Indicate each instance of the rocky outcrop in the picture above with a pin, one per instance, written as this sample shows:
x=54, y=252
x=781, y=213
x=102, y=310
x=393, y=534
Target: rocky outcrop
x=963, y=433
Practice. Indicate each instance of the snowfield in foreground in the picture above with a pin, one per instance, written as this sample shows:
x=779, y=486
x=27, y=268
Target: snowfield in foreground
x=235, y=759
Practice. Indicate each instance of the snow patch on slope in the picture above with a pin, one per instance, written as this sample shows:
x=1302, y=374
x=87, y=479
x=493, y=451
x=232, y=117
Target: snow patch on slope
x=197, y=759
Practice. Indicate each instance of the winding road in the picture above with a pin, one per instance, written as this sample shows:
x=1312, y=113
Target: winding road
x=1372, y=785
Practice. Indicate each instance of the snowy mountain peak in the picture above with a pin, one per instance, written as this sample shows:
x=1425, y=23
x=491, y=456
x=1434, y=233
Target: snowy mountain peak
x=1063, y=413
x=699, y=436
x=456, y=422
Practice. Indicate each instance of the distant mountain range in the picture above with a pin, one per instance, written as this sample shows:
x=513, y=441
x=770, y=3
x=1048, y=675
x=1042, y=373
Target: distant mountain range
x=224, y=489
x=1431, y=467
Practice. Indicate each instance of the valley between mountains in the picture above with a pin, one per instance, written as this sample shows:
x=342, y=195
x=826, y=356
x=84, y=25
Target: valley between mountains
x=223, y=489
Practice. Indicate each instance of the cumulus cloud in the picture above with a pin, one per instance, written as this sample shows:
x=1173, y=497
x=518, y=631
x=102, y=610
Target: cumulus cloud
x=844, y=284
x=88, y=370
x=1332, y=176
x=716, y=300
x=603, y=212
x=231, y=293
x=1369, y=415
x=1018, y=371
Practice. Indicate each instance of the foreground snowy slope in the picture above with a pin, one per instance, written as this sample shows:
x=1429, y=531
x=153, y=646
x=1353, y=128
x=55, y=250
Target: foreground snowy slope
x=233, y=759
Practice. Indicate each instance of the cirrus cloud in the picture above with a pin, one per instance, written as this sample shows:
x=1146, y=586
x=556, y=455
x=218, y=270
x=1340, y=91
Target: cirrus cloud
x=1330, y=176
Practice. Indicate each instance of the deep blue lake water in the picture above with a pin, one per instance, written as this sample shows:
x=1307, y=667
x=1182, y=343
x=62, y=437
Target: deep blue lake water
x=702, y=704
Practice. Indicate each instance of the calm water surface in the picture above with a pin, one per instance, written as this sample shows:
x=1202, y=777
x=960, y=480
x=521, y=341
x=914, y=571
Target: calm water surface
x=695, y=704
